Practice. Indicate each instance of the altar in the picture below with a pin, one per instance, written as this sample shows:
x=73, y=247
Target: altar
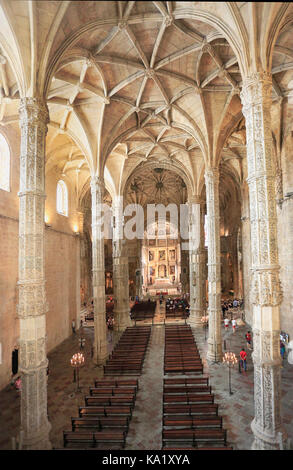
x=161, y=262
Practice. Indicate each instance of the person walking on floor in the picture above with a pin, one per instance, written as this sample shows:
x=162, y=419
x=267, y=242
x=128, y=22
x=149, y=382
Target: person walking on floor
x=248, y=339
x=282, y=349
x=243, y=358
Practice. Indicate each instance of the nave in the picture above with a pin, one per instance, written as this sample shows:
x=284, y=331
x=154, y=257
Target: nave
x=145, y=428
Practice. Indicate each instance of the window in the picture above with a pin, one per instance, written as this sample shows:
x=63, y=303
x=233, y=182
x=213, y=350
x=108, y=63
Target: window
x=4, y=164
x=62, y=198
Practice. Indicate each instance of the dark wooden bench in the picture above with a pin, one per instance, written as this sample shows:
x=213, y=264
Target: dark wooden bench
x=183, y=370
x=119, y=353
x=117, y=383
x=167, y=448
x=112, y=391
x=194, y=409
x=188, y=389
x=181, y=362
x=186, y=381
x=193, y=421
x=203, y=435
x=92, y=439
x=189, y=398
x=110, y=401
x=105, y=410
x=129, y=369
x=99, y=423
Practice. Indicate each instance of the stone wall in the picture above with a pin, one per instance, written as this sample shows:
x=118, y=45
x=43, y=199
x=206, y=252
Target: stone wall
x=62, y=261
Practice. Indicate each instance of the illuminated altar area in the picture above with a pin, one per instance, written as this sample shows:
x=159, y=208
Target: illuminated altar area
x=161, y=259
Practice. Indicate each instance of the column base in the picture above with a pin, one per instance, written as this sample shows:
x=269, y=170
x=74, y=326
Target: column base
x=122, y=320
x=215, y=353
x=263, y=441
x=38, y=440
x=101, y=356
x=194, y=319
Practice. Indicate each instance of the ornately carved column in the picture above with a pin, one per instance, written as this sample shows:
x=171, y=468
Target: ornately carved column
x=196, y=264
x=32, y=306
x=98, y=268
x=265, y=289
x=139, y=270
x=120, y=270
x=214, y=265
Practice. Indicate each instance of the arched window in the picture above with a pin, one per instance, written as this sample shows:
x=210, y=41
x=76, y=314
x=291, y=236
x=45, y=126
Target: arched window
x=4, y=164
x=62, y=198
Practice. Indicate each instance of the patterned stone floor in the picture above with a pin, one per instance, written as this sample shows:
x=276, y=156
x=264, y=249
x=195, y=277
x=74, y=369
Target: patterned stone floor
x=146, y=425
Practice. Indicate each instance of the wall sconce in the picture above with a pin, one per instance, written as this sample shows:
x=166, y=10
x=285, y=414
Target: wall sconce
x=47, y=221
x=75, y=230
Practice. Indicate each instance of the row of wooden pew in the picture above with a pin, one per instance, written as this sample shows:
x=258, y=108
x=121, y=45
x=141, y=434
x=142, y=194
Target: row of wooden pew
x=129, y=353
x=190, y=416
x=181, y=353
x=177, y=313
x=143, y=311
x=103, y=421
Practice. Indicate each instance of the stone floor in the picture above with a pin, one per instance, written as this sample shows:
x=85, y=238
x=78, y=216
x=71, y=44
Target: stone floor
x=146, y=425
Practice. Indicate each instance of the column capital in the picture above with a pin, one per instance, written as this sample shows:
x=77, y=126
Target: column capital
x=33, y=111
x=256, y=89
x=97, y=184
x=211, y=173
x=195, y=199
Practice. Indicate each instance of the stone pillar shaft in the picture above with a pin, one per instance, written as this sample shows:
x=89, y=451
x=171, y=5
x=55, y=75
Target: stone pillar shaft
x=214, y=265
x=120, y=270
x=98, y=269
x=196, y=260
x=32, y=306
x=265, y=288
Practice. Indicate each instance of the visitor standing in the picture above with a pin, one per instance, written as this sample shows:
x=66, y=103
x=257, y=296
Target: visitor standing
x=282, y=349
x=248, y=339
x=243, y=358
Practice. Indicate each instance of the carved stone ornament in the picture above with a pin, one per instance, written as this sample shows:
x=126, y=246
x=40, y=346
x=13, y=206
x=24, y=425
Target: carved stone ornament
x=266, y=293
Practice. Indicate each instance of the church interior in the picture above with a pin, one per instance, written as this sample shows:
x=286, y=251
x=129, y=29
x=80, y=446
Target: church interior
x=116, y=342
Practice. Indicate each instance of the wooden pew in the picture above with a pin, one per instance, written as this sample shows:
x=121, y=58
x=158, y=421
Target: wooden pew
x=193, y=421
x=183, y=370
x=194, y=435
x=194, y=409
x=99, y=423
x=188, y=389
x=105, y=411
x=117, y=383
x=112, y=391
x=93, y=439
x=187, y=381
x=110, y=401
x=189, y=398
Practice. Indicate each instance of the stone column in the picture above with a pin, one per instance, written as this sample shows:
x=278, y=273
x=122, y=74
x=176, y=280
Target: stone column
x=139, y=277
x=195, y=264
x=98, y=268
x=32, y=306
x=120, y=270
x=265, y=287
x=214, y=265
